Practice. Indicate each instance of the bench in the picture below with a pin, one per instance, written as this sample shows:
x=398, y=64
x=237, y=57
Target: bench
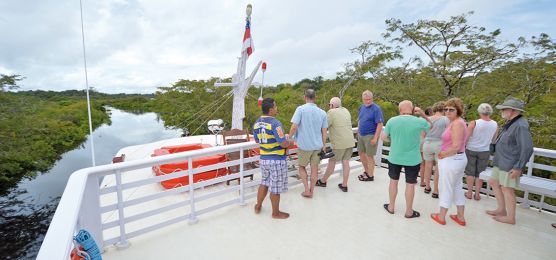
x=530, y=183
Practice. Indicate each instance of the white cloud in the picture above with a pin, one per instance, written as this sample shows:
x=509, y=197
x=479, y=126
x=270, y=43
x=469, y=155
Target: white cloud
x=137, y=45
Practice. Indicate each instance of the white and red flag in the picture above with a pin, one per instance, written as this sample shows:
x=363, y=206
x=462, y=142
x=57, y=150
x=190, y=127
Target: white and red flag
x=248, y=45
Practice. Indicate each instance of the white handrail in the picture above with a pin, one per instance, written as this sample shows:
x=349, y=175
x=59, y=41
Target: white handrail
x=68, y=216
x=79, y=206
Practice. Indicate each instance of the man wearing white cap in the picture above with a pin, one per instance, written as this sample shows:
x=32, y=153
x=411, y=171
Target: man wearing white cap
x=512, y=149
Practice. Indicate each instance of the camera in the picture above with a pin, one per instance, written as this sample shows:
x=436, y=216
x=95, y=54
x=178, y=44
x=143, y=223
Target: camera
x=326, y=153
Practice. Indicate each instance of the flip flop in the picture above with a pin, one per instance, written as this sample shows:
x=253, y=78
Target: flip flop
x=554, y=225
x=415, y=214
x=344, y=189
x=320, y=183
x=386, y=208
x=423, y=185
x=435, y=196
x=428, y=190
x=365, y=177
x=457, y=220
x=436, y=218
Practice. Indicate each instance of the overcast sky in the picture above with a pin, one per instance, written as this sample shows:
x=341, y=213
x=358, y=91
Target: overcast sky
x=135, y=46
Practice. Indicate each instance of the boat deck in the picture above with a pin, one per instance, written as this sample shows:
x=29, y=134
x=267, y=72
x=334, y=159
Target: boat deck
x=338, y=225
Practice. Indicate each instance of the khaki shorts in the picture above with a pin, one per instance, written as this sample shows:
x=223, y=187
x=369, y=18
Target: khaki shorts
x=342, y=154
x=504, y=178
x=364, y=145
x=431, y=149
x=306, y=157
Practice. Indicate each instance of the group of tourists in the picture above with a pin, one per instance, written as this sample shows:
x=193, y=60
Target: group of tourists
x=418, y=142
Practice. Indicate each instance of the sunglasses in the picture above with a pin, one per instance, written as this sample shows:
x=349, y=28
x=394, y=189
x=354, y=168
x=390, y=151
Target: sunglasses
x=449, y=110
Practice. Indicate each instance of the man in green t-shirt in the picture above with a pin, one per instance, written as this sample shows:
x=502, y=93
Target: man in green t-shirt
x=404, y=132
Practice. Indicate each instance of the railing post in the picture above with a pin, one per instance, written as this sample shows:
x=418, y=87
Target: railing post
x=526, y=203
x=241, y=184
x=192, y=217
x=378, y=155
x=90, y=217
x=123, y=243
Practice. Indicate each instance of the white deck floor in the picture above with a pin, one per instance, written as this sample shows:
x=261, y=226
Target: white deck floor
x=353, y=225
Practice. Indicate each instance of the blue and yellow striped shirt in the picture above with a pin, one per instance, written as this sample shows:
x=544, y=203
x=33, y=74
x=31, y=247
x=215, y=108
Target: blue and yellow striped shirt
x=269, y=133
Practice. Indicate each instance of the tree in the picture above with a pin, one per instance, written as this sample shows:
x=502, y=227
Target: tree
x=454, y=48
x=9, y=82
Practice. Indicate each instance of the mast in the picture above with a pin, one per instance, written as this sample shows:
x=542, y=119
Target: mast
x=239, y=82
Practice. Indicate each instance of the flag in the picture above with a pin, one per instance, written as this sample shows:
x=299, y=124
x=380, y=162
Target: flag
x=248, y=45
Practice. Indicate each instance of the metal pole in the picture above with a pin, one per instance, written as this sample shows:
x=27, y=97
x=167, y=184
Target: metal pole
x=192, y=216
x=87, y=85
x=121, y=218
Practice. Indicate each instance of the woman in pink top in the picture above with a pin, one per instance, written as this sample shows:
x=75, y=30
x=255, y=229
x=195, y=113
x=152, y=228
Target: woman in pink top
x=451, y=164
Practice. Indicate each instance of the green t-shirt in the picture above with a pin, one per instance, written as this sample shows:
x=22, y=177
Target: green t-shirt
x=405, y=139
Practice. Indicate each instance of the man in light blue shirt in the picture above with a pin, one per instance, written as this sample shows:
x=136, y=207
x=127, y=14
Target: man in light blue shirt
x=309, y=126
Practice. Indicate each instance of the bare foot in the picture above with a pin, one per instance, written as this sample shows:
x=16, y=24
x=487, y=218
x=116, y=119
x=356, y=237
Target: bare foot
x=504, y=219
x=257, y=209
x=307, y=194
x=477, y=196
x=468, y=195
x=495, y=213
x=280, y=215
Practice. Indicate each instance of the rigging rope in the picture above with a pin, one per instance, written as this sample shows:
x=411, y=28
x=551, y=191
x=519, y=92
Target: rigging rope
x=211, y=115
x=191, y=121
x=206, y=108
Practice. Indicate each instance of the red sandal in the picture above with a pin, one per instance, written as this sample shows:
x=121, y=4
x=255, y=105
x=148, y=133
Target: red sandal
x=457, y=220
x=436, y=218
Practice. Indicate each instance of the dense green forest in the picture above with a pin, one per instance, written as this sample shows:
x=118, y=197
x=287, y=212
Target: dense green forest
x=38, y=126
x=453, y=59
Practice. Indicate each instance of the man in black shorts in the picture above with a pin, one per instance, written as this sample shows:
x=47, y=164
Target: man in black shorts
x=405, y=131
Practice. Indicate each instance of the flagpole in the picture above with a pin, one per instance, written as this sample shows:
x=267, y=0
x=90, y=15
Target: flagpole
x=87, y=85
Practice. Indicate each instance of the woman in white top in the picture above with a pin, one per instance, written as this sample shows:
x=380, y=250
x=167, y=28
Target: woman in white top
x=482, y=134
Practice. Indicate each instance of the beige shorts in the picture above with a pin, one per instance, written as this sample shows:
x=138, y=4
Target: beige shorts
x=431, y=149
x=504, y=178
x=342, y=154
x=364, y=145
x=306, y=157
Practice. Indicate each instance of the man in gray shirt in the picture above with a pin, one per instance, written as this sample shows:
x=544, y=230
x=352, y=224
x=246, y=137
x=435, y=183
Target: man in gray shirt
x=514, y=148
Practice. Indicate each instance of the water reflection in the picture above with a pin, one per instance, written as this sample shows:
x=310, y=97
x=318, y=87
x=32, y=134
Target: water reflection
x=26, y=211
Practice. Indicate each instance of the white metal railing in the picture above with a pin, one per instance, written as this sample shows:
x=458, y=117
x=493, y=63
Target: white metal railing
x=80, y=206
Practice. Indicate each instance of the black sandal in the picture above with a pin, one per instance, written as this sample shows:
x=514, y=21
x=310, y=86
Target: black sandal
x=386, y=208
x=415, y=214
x=435, y=196
x=428, y=190
x=320, y=183
x=344, y=189
x=365, y=177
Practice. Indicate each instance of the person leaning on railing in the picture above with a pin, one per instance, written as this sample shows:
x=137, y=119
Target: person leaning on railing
x=482, y=133
x=451, y=164
x=513, y=148
x=269, y=133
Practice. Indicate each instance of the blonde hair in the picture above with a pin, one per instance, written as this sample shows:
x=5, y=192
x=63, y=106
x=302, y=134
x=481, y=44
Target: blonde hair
x=456, y=103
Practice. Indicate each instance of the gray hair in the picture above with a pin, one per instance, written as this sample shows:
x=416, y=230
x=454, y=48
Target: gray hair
x=310, y=94
x=484, y=109
x=367, y=93
x=336, y=102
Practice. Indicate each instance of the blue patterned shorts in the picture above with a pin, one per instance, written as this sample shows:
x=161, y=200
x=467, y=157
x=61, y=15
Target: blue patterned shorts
x=275, y=175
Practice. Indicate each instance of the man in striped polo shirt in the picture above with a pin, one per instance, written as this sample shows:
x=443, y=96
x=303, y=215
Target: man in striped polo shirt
x=269, y=133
